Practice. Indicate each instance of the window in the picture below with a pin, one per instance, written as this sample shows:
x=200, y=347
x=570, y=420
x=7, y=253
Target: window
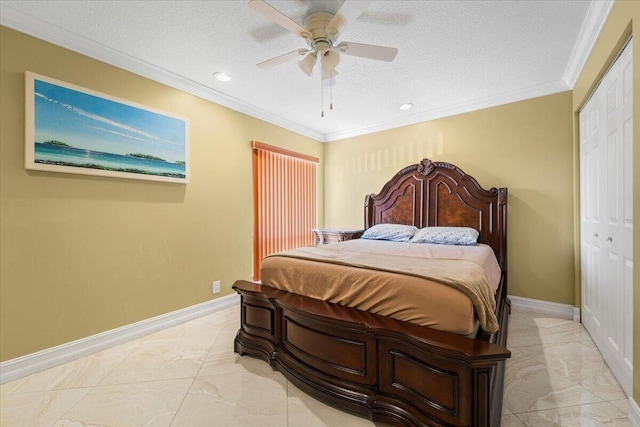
x=284, y=201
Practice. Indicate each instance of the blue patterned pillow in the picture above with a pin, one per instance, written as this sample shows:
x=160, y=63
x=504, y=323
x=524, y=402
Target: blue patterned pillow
x=446, y=235
x=393, y=232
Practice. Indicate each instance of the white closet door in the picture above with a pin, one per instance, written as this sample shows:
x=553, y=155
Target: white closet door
x=618, y=268
x=591, y=165
x=606, y=164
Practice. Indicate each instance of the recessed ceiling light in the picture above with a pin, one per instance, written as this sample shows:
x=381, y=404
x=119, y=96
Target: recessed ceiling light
x=406, y=106
x=222, y=77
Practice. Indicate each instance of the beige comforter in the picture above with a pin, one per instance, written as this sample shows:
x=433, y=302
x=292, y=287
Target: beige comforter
x=471, y=270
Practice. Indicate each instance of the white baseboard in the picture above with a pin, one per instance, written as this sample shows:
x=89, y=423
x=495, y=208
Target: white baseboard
x=564, y=311
x=576, y=314
x=19, y=367
x=634, y=413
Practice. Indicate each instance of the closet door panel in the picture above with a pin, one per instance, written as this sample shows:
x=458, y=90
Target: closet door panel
x=592, y=234
x=612, y=181
x=627, y=352
x=614, y=302
x=606, y=164
x=625, y=229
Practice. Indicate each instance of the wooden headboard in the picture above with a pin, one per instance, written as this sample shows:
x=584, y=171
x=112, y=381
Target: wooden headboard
x=441, y=194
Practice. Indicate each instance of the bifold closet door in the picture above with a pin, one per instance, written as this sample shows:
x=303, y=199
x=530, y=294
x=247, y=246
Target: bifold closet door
x=606, y=198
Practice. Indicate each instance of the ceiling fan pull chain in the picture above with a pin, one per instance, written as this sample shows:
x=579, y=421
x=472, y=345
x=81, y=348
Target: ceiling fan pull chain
x=331, y=91
x=321, y=95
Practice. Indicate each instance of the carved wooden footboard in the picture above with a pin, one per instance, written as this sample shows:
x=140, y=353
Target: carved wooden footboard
x=386, y=369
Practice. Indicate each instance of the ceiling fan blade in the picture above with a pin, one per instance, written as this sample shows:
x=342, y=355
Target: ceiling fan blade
x=282, y=58
x=371, y=51
x=279, y=18
x=348, y=13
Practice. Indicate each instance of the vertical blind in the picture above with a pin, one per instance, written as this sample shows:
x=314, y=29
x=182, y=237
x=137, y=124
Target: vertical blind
x=284, y=201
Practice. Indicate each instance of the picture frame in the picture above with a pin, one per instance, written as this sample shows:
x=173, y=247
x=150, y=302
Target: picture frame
x=76, y=130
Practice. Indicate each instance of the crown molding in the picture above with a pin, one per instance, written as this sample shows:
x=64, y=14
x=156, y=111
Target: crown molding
x=48, y=32
x=596, y=16
x=451, y=110
x=593, y=23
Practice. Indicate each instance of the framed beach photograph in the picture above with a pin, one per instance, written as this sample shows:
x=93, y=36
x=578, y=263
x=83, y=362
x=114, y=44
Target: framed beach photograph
x=76, y=130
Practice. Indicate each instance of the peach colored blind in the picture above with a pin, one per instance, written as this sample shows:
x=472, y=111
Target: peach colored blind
x=284, y=201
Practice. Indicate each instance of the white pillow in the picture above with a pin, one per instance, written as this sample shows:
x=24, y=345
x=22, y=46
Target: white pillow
x=447, y=235
x=393, y=232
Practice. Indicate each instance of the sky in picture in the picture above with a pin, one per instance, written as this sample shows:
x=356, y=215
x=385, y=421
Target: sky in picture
x=93, y=123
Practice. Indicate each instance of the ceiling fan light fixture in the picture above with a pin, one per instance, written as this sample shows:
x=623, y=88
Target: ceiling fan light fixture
x=330, y=60
x=307, y=64
x=406, y=106
x=222, y=77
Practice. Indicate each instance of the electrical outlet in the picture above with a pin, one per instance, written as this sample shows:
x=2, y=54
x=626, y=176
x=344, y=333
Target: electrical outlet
x=216, y=287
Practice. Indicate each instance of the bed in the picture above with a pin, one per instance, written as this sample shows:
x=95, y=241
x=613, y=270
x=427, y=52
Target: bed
x=391, y=370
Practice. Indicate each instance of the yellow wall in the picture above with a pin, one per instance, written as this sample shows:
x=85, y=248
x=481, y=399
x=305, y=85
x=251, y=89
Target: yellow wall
x=80, y=254
x=525, y=146
x=623, y=21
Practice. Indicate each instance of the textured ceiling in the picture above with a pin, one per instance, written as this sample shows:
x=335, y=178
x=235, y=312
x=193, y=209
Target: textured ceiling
x=453, y=55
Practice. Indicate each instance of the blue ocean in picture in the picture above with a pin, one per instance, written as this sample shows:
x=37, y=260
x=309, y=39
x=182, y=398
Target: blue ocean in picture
x=65, y=155
x=78, y=129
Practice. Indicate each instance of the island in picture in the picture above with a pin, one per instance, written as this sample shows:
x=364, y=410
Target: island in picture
x=79, y=131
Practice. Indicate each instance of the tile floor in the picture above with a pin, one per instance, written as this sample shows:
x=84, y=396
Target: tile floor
x=189, y=376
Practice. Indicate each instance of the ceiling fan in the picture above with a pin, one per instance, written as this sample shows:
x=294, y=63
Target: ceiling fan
x=321, y=31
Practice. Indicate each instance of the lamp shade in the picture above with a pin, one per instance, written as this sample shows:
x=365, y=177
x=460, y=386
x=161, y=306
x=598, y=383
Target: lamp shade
x=307, y=64
x=327, y=74
x=330, y=60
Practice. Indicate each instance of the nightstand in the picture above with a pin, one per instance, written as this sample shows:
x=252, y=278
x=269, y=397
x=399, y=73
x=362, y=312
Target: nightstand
x=334, y=235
